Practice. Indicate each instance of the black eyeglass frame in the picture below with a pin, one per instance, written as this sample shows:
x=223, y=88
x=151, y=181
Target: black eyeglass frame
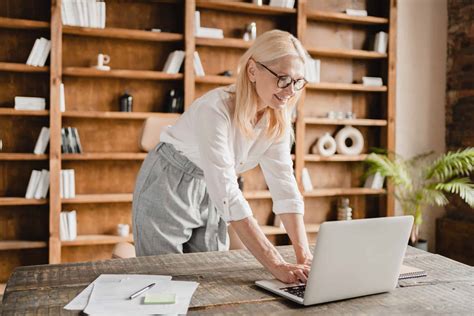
x=280, y=79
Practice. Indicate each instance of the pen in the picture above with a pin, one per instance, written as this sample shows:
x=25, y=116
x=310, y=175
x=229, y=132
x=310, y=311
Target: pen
x=146, y=288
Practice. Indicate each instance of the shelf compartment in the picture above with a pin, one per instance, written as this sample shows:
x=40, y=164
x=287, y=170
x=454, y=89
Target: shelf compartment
x=257, y=194
x=22, y=156
x=21, y=244
x=117, y=115
x=9, y=23
x=222, y=80
x=336, y=158
x=326, y=16
x=120, y=74
x=15, y=201
x=105, y=156
x=13, y=112
x=17, y=67
x=356, y=122
x=346, y=53
x=99, y=198
x=241, y=7
x=120, y=33
x=273, y=230
x=344, y=87
x=342, y=191
x=85, y=240
x=225, y=43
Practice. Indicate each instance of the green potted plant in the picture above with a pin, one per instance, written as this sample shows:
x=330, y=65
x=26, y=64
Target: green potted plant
x=423, y=180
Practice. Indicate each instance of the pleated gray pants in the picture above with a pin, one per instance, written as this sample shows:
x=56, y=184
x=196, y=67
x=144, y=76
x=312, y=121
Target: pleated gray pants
x=172, y=211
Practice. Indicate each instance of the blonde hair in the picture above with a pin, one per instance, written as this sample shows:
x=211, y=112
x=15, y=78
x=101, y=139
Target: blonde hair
x=267, y=48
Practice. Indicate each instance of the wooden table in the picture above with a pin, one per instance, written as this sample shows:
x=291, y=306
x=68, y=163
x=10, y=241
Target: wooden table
x=227, y=286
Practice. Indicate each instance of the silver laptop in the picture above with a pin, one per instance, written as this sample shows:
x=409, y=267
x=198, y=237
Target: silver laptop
x=351, y=259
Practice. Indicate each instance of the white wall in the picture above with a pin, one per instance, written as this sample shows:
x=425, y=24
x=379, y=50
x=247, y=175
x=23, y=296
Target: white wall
x=421, y=86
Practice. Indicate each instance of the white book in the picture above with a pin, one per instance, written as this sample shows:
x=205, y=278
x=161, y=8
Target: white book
x=355, y=12
x=374, y=181
x=85, y=11
x=80, y=12
x=61, y=184
x=101, y=13
x=197, y=21
x=277, y=3
x=198, y=65
x=381, y=41
x=64, y=180
x=32, y=184
x=63, y=13
x=290, y=4
x=71, y=183
x=63, y=230
x=29, y=100
x=313, y=70
x=70, y=12
x=29, y=107
x=72, y=225
x=174, y=62
x=210, y=32
x=306, y=180
x=43, y=185
x=32, y=53
x=38, y=52
x=92, y=10
x=44, y=53
x=62, y=98
x=372, y=81
x=42, y=141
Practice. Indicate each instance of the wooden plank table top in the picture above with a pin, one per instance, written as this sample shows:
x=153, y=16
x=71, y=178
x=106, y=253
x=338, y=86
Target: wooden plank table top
x=226, y=286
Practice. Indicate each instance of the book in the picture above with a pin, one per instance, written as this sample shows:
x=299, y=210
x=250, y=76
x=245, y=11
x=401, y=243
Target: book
x=409, y=272
x=372, y=81
x=374, y=181
x=30, y=103
x=174, y=61
x=84, y=13
x=71, y=141
x=33, y=52
x=64, y=186
x=33, y=184
x=210, y=32
x=313, y=70
x=43, y=185
x=197, y=21
x=306, y=179
x=101, y=10
x=63, y=230
x=198, y=69
x=381, y=41
x=42, y=141
x=71, y=183
x=77, y=140
x=62, y=98
x=354, y=12
x=71, y=225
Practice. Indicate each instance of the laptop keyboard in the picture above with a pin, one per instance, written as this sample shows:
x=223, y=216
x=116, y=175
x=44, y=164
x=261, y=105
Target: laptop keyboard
x=297, y=290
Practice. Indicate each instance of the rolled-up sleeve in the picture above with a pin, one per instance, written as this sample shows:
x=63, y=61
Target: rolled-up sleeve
x=277, y=168
x=213, y=128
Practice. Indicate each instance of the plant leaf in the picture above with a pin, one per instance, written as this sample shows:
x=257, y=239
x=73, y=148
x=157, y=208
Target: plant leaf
x=459, y=186
x=451, y=164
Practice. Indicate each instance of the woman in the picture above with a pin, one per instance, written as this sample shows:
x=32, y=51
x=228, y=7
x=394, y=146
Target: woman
x=187, y=192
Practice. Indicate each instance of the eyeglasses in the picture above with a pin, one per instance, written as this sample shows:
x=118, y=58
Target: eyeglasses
x=285, y=80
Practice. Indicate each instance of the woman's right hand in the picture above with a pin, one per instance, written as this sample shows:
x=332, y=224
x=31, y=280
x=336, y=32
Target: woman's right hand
x=291, y=273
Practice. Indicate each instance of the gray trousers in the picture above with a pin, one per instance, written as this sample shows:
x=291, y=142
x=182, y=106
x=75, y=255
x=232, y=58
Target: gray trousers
x=172, y=211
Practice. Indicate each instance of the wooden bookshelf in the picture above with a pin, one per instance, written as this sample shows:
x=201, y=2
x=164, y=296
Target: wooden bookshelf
x=106, y=171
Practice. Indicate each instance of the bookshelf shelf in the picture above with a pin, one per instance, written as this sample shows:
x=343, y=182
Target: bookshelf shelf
x=336, y=158
x=346, y=53
x=17, y=67
x=326, y=16
x=257, y=194
x=120, y=33
x=344, y=87
x=99, y=198
x=105, y=156
x=222, y=80
x=18, y=201
x=358, y=122
x=22, y=156
x=85, y=240
x=273, y=230
x=117, y=115
x=342, y=191
x=120, y=74
x=225, y=43
x=241, y=7
x=10, y=23
x=13, y=112
x=21, y=244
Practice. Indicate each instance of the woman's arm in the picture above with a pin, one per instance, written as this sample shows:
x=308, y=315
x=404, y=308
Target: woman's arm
x=257, y=243
x=294, y=226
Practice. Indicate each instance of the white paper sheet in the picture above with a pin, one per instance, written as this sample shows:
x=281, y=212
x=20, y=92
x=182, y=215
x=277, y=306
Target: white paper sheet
x=112, y=298
x=81, y=300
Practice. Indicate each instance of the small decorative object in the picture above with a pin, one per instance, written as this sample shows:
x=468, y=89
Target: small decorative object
x=339, y=115
x=423, y=180
x=175, y=102
x=306, y=179
x=226, y=73
x=380, y=44
x=356, y=138
x=102, y=61
x=240, y=181
x=250, y=32
x=344, y=211
x=126, y=102
x=325, y=146
x=123, y=230
x=350, y=115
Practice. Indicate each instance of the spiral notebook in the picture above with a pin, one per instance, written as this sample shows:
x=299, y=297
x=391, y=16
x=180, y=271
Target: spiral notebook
x=408, y=272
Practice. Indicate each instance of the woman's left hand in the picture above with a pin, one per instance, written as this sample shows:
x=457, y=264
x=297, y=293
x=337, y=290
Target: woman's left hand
x=306, y=260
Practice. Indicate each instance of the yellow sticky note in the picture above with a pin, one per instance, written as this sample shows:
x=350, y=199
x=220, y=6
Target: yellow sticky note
x=160, y=298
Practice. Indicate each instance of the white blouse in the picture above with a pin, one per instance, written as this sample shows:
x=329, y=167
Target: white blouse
x=207, y=136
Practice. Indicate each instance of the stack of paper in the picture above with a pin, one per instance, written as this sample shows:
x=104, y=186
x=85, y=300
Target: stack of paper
x=85, y=13
x=30, y=103
x=209, y=32
x=39, y=53
x=68, y=184
x=68, y=225
x=372, y=81
x=173, y=62
x=38, y=185
x=109, y=295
